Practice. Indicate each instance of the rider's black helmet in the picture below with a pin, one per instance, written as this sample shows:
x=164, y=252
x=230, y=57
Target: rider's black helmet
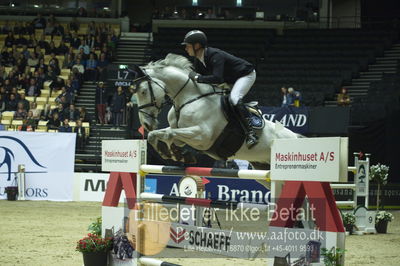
x=195, y=36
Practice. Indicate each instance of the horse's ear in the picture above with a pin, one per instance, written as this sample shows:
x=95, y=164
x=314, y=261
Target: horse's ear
x=139, y=73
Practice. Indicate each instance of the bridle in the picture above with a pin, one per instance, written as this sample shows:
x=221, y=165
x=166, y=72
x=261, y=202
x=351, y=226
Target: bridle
x=153, y=103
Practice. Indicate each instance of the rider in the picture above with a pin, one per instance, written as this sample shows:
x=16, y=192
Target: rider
x=214, y=66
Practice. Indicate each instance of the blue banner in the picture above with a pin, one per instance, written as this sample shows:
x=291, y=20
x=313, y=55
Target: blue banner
x=293, y=118
x=226, y=189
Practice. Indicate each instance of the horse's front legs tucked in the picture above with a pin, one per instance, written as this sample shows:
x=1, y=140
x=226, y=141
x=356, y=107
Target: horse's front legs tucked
x=192, y=136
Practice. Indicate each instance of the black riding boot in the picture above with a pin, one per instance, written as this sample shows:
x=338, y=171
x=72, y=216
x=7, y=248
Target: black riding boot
x=244, y=119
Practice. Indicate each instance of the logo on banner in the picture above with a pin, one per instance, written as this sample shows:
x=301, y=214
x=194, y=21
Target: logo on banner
x=177, y=236
x=8, y=157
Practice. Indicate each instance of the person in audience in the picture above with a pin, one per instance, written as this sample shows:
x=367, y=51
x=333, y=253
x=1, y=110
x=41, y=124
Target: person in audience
x=33, y=61
x=40, y=56
x=30, y=120
x=71, y=113
x=67, y=35
x=91, y=30
x=75, y=41
x=85, y=47
x=69, y=60
x=294, y=97
x=64, y=97
x=24, y=126
x=54, y=121
x=24, y=101
x=80, y=135
x=4, y=57
x=58, y=30
x=32, y=42
x=102, y=67
x=91, y=42
x=36, y=113
x=32, y=89
x=21, y=112
x=49, y=28
x=65, y=126
x=14, y=91
x=40, y=78
x=91, y=68
x=9, y=41
x=43, y=44
x=60, y=110
x=23, y=81
x=57, y=84
x=284, y=97
x=39, y=22
x=78, y=65
x=98, y=43
x=213, y=65
x=76, y=80
x=343, y=99
x=117, y=107
x=21, y=41
x=12, y=103
x=83, y=116
x=54, y=61
x=29, y=29
x=51, y=49
x=62, y=49
x=101, y=100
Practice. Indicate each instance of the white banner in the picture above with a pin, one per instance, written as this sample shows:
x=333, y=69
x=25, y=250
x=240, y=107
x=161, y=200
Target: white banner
x=123, y=155
x=92, y=186
x=308, y=159
x=48, y=159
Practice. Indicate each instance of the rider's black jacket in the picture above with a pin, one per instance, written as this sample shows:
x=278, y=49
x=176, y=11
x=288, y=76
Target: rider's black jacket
x=220, y=67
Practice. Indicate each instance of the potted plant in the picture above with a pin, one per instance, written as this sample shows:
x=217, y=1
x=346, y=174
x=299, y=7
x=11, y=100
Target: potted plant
x=12, y=192
x=333, y=257
x=382, y=219
x=349, y=220
x=379, y=173
x=94, y=247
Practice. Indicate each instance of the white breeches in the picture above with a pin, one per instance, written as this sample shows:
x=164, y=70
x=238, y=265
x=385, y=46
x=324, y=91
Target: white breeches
x=242, y=87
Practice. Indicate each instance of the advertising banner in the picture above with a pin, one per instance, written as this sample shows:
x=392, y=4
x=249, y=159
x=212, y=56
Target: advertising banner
x=48, y=159
x=123, y=155
x=308, y=159
x=293, y=118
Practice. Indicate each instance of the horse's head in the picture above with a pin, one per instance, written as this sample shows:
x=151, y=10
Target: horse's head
x=150, y=94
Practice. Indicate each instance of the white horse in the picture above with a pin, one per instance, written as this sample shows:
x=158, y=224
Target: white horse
x=196, y=119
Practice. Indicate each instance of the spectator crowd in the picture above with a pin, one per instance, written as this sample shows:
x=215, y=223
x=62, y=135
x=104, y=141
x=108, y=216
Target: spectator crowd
x=45, y=55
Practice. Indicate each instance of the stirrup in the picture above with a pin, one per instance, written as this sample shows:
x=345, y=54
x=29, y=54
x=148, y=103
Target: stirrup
x=251, y=140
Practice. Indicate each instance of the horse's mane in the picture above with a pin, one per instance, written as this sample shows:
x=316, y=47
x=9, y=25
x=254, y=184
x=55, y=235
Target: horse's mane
x=174, y=60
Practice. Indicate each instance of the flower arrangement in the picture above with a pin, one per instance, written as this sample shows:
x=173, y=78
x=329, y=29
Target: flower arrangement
x=349, y=218
x=94, y=243
x=383, y=216
x=379, y=173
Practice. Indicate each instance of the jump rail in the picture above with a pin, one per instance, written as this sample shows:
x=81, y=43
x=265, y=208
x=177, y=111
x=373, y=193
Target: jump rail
x=202, y=171
x=200, y=202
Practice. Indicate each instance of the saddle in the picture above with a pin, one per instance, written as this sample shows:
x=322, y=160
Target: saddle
x=233, y=136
